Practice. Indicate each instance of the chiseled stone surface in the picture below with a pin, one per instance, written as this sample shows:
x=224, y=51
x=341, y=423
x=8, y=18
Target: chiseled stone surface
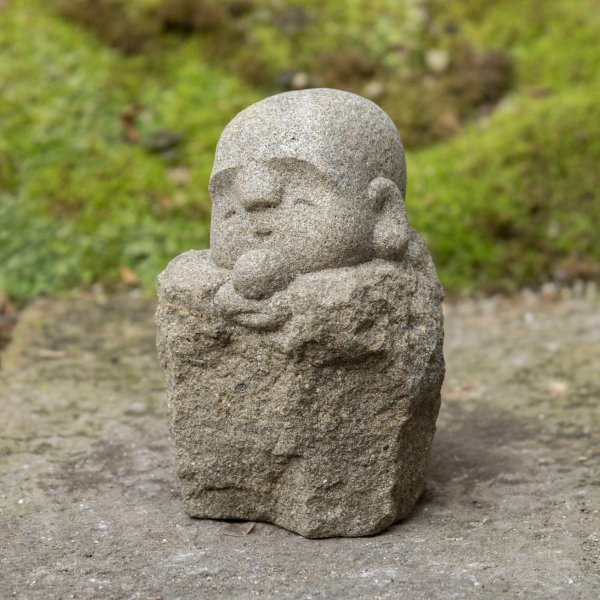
x=303, y=351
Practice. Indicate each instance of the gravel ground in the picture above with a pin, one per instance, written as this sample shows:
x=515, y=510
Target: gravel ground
x=89, y=502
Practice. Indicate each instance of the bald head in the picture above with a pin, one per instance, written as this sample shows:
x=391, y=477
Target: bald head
x=314, y=178
x=346, y=137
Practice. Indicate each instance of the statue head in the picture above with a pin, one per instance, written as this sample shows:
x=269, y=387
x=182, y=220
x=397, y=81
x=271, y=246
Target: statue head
x=316, y=177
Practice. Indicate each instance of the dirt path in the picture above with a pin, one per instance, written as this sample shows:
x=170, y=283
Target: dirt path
x=89, y=503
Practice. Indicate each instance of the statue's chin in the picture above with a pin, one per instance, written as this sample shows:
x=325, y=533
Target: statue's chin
x=260, y=273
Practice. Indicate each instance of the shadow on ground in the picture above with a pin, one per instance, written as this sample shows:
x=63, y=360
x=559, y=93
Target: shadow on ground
x=91, y=508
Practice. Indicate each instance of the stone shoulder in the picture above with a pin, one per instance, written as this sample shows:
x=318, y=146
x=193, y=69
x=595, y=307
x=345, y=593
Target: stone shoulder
x=190, y=278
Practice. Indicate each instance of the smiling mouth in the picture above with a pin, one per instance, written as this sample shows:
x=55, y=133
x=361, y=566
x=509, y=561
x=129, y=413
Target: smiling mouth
x=262, y=234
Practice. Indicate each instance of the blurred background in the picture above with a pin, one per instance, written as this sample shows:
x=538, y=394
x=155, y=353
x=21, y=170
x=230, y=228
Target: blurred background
x=110, y=111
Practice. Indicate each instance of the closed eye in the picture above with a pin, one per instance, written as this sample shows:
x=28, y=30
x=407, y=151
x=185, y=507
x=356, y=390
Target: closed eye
x=304, y=201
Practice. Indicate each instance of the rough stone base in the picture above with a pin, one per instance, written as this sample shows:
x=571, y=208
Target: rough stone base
x=323, y=426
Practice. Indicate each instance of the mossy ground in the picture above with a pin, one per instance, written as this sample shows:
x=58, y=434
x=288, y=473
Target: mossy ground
x=105, y=154
x=78, y=201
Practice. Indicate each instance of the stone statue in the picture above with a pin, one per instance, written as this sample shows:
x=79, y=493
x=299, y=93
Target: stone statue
x=303, y=351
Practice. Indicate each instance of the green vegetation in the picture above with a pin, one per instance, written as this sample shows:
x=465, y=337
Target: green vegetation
x=377, y=48
x=514, y=200
x=77, y=202
x=105, y=149
x=517, y=201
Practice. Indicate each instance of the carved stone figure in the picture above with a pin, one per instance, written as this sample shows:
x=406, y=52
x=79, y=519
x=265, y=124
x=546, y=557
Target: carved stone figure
x=303, y=351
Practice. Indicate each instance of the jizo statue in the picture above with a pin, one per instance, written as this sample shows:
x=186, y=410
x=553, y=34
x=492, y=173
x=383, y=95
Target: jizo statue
x=303, y=350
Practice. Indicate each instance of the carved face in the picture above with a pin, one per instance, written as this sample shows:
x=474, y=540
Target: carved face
x=290, y=207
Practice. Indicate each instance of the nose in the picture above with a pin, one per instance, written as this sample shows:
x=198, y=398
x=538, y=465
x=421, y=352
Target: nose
x=260, y=191
x=258, y=202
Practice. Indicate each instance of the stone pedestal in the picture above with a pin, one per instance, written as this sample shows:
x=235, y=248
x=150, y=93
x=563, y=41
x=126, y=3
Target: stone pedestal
x=323, y=426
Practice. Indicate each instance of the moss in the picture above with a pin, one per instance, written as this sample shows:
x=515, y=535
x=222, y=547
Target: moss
x=341, y=44
x=126, y=25
x=91, y=192
x=77, y=202
x=554, y=44
x=515, y=201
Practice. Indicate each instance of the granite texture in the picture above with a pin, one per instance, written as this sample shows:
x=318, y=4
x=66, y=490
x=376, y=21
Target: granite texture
x=303, y=351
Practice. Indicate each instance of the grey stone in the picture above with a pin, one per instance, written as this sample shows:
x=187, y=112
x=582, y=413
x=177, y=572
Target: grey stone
x=303, y=351
x=511, y=502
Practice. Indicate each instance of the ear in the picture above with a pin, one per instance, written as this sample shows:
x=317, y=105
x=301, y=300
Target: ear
x=391, y=231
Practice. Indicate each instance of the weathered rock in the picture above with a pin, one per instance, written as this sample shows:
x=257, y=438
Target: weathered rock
x=303, y=351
